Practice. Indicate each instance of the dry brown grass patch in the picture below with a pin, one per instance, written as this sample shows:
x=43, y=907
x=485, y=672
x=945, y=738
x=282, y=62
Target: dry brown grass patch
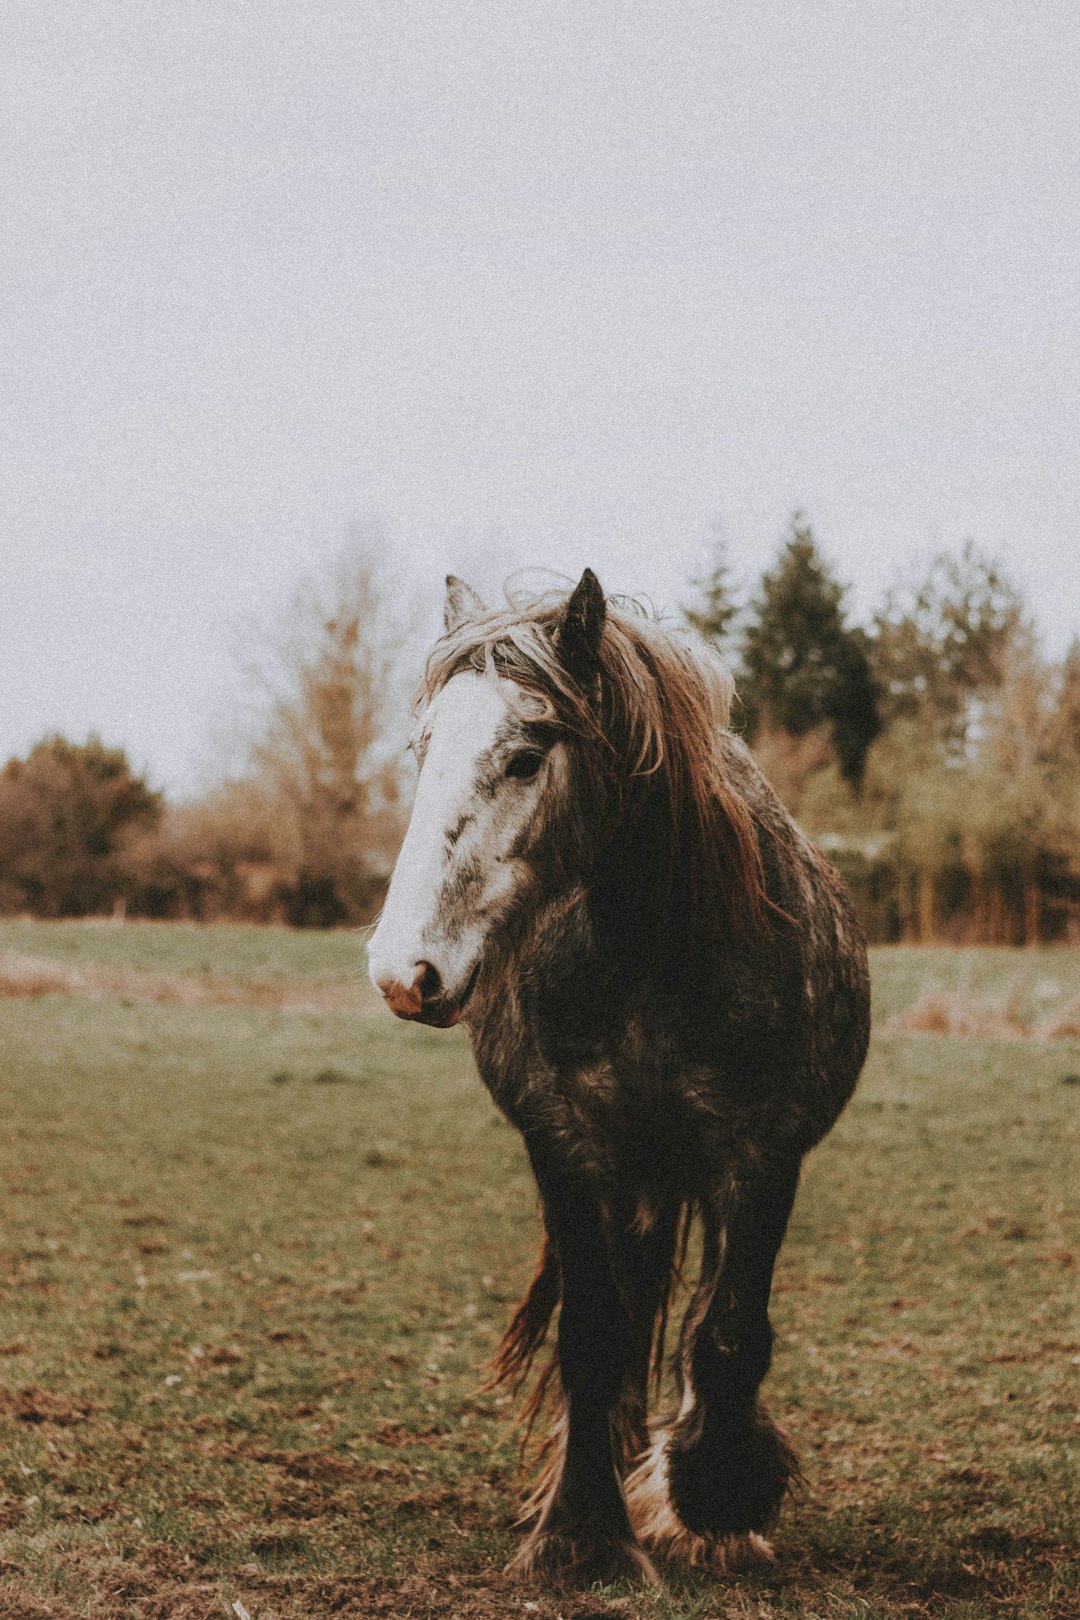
x=998, y=1017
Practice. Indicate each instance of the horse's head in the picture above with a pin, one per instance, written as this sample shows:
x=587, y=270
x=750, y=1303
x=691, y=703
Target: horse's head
x=489, y=834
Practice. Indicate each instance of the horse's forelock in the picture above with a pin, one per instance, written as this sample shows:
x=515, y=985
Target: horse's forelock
x=520, y=648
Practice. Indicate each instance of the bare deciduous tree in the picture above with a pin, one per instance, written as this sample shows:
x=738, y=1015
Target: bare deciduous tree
x=327, y=699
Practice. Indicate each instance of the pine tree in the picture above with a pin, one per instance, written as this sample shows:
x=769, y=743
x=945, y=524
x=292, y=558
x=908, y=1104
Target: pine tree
x=714, y=614
x=803, y=667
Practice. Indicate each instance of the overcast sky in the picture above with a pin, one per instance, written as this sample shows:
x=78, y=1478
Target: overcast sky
x=534, y=282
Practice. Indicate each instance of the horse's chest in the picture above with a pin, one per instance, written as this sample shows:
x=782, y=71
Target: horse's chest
x=579, y=1101
x=586, y=1111
x=622, y=1101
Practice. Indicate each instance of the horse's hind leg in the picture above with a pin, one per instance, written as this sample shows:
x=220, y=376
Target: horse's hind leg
x=713, y=1481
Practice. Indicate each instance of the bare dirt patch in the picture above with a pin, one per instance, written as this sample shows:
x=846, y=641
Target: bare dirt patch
x=32, y=976
x=33, y=1405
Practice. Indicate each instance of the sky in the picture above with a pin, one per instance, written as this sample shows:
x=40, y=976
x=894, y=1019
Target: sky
x=511, y=284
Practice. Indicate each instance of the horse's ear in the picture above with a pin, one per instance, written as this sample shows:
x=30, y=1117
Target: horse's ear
x=581, y=627
x=462, y=604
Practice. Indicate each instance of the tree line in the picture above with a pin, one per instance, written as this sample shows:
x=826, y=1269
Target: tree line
x=934, y=753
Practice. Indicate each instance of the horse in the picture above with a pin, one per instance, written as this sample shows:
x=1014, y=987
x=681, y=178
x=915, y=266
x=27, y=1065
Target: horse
x=666, y=991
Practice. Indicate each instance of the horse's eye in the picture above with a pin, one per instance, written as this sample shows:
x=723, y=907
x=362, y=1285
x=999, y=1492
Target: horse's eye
x=524, y=765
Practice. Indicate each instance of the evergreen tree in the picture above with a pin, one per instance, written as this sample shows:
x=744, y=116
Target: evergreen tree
x=803, y=667
x=714, y=613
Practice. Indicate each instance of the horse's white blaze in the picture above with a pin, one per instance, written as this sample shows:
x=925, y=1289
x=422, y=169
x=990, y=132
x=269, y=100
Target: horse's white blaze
x=461, y=725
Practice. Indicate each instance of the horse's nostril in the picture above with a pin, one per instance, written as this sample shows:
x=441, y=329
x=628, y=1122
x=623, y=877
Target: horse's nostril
x=427, y=981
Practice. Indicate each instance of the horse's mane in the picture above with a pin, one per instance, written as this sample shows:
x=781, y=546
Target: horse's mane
x=653, y=715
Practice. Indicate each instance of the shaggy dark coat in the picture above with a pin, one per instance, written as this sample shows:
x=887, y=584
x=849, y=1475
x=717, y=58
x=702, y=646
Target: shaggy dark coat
x=675, y=1012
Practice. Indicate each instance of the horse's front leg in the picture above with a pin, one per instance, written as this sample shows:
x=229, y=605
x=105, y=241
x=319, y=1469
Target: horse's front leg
x=581, y=1528
x=714, y=1478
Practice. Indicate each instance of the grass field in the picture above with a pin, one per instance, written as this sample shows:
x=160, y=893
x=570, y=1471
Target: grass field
x=255, y=1256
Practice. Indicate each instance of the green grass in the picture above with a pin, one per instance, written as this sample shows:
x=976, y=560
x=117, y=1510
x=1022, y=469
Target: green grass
x=238, y=950
x=1037, y=979
x=254, y=1261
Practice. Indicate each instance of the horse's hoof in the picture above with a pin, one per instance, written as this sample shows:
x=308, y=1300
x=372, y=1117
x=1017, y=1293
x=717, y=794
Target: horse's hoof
x=735, y=1486
x=560, y=1556
x=659, y=1526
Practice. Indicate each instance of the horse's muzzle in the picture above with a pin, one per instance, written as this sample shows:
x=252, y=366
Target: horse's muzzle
x=425, y=1001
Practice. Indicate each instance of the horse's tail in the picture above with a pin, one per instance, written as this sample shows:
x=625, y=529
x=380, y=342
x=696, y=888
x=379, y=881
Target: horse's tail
x=667, y=1274
x=529, y=1325
x=524, y=1337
